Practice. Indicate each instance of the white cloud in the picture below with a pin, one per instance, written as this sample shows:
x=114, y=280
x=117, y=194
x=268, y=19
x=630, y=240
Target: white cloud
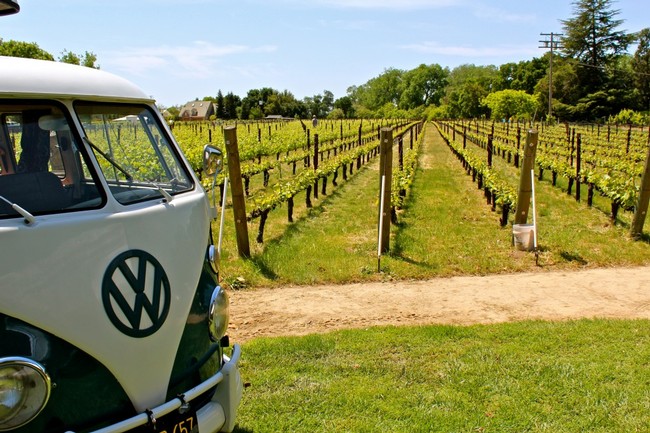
x=499, y=15
x=483, y=12
x=387, y=4
x=468, y=51
x=194, y=60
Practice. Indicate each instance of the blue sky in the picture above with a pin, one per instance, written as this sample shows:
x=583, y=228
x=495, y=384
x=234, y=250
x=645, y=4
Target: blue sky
x=179, y=50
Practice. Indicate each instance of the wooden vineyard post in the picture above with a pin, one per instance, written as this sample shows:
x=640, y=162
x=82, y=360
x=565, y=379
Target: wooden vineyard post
x=525, y=179
x=464, y=137
x=490, y=149
x=518, y=147
x=359, y=139
x=400, y=150
x=308, y=139
x=385, y=169
x=307, y=158
x=578, y=163
x=315, y=159
x=237, y=191
x=629, y=136
x=642, y=204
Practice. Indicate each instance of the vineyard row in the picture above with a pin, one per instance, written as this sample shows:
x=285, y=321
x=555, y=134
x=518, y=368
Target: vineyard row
x=320, y=163
x=610, y=164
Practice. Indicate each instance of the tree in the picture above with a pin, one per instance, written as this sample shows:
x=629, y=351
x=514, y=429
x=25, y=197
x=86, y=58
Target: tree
x=592, y=38
x=424, y=85
x=566, y=88
x=439, y=113
x=31, y=50
x=320, y=105
x=285, y=104
x=385, y=88
x=313, y=104
x=523, y=75
x=174, y=112
x=467, y=101
x=254, y=101
x=390, y=111
x=363, y=112
x=468, y=85
x=88, y=59
x=230, y=104
x=267, y=101
x=336, y=114
x=621, y=84
x=69, y=57
x=641, y=67
x=346, y=105
x=506, y=104
x=328, y=101
x=23, y=49
x=221, y=113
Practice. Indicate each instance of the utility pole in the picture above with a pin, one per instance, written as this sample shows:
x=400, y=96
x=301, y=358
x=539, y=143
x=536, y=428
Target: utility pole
x=552, y=44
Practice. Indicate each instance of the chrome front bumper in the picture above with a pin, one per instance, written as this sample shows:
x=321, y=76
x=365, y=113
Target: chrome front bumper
x=219, y=414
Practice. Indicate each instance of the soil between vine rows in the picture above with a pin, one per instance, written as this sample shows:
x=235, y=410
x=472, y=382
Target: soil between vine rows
x=616, y=293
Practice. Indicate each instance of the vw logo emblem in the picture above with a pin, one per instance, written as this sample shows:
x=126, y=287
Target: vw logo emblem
x=135, y=283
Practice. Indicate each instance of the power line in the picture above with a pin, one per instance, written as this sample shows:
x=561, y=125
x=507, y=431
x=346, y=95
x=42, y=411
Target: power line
x=608, y=68
x=551, y=44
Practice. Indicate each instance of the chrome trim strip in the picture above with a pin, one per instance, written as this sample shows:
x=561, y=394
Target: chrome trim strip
x=26, y=362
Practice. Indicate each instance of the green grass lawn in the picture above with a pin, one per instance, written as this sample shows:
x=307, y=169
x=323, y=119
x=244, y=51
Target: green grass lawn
x=579, y=376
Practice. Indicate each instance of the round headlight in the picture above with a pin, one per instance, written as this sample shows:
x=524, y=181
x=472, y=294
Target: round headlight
x=219, y=315
x=24, y=391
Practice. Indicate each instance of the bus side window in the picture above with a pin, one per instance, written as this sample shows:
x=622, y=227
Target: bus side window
x=6, y=160
x=35, y=144
x=3, y=164
x=56, y=158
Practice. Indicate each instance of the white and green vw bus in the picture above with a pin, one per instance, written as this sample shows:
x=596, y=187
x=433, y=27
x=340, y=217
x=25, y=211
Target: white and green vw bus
x=111, y=315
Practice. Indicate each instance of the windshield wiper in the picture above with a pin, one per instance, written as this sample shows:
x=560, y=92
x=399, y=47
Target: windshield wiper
x=29, y=218
x=109, y=159
x=167, y=196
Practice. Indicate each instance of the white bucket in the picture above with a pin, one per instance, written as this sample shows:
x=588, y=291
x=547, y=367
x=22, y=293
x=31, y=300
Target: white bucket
x=523, y=236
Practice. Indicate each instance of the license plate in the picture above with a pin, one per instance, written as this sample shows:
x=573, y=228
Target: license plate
x=173, y=422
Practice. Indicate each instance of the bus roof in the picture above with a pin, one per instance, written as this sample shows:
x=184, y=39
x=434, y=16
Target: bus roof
x=29, y=78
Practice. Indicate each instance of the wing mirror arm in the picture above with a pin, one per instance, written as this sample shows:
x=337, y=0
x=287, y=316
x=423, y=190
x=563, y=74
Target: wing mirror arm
x=212, y=166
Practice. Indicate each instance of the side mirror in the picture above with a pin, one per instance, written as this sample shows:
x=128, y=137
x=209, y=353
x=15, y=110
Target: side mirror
x=212, y=166
x=8, y=7
x=212, y=160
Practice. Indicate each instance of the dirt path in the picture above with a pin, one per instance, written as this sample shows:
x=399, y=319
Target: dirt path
x=603, y=293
